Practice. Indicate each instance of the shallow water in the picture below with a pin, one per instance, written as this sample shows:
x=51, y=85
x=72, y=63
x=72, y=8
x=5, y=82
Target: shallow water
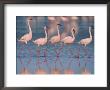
x=28, y=57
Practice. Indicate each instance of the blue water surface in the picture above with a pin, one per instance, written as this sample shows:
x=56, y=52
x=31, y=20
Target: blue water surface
x=28, y=54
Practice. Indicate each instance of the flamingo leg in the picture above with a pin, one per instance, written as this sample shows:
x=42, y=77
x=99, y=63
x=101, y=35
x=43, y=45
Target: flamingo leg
x=45, y=60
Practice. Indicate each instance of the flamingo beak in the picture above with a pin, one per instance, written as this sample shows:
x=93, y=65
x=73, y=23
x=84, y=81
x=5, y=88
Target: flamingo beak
x=45, y=27
x=33, y=41
x=59, y=24
x=74, y=30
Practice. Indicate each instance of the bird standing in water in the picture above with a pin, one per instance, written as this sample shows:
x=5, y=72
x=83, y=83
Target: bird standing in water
x=41, y=41
x=69, y=39
x=56, y=39
x=86, y=41
x=27, y=37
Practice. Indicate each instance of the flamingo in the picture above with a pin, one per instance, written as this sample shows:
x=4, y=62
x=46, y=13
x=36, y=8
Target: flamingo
x=56, y=39
x=86, y=41
x=41, y=41
x=69, y=39
x=27, y=37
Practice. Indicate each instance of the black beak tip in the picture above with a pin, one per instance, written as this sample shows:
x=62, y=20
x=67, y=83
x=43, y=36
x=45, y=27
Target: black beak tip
x=74, y=31
x=59, y=24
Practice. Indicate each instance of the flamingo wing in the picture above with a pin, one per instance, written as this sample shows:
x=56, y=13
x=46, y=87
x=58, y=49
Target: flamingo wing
x=24, y=37
x=41, y=41
x=68, y=39
x=55, y=39
x=86, y=41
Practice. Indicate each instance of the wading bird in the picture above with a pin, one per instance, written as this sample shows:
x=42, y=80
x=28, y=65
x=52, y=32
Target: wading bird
x=69, y=39
x=56, y=39
x=27, y=37
x=41, y=41
x=86, y=41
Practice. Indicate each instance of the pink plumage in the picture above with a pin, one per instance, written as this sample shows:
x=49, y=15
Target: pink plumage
x=27, y=37
x=41, y=41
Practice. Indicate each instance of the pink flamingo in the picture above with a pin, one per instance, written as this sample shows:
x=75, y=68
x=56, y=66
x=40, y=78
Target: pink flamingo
x=69, y=39
x=86, y=41
x=27, y=37
x=41, y=41
x=56, y=39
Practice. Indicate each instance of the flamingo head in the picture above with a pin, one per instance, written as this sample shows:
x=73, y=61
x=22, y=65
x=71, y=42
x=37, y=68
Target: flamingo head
x=29, y=19
x=33, y=41
x=89, y=29
x=45, y=27
x=73, y=30
x=59, y=24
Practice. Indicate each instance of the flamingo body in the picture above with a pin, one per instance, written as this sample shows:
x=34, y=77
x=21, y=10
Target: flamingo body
x=85, y=41
x=27, y=37
x=55, y=39
x=68, y=40
x=41, y=41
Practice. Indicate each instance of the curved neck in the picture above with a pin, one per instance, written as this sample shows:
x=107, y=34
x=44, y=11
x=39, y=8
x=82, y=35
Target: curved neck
x=72, y=33
x=90, y=33
x=58, y=30
x=29, y=27
x=45, y=34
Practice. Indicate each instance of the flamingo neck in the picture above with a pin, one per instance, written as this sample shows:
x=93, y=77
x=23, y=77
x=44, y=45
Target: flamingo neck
x=58, y=31
x=29, y=27
x=90, y=33
x=45, y=34
x=72, y=34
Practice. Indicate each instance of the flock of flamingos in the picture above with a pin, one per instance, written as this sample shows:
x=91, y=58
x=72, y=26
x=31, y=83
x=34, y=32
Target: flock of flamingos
x=53, y=40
